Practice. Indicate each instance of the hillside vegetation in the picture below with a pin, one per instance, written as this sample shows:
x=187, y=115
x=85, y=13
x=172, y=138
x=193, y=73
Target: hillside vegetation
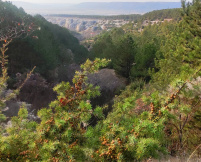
x=54, y=46
x=132, y=53
x=156, y=116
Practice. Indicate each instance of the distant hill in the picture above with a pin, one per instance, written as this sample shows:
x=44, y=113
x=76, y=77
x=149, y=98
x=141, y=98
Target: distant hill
x=174, y=14
x=97, y=8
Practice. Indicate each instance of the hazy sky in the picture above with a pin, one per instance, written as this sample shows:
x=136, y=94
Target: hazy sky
x=79, y=1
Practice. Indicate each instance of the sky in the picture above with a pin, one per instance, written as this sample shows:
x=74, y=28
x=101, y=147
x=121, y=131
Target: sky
x=80, y=1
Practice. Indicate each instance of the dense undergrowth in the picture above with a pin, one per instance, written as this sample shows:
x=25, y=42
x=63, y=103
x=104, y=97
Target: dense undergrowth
x=149, y=120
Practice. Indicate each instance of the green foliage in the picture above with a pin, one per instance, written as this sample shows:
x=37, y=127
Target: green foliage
x=132, y=53
x=72, y=109
x=61, y=132
x=147, y=120
x=162, y=114
x=177, y=83
x=181, y=53
x=21, y=136
x=126, y=136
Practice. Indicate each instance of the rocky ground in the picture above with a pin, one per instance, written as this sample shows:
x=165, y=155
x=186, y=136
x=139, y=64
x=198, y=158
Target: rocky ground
x=37, y=93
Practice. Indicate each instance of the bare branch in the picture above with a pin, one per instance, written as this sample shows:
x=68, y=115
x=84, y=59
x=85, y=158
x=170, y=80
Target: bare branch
x=14, y=29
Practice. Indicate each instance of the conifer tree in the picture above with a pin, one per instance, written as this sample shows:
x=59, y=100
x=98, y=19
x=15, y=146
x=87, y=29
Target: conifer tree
x=60, y=135
x=177, y=81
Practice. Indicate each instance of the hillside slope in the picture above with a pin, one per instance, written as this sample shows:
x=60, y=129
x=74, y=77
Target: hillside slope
x=47, y=48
